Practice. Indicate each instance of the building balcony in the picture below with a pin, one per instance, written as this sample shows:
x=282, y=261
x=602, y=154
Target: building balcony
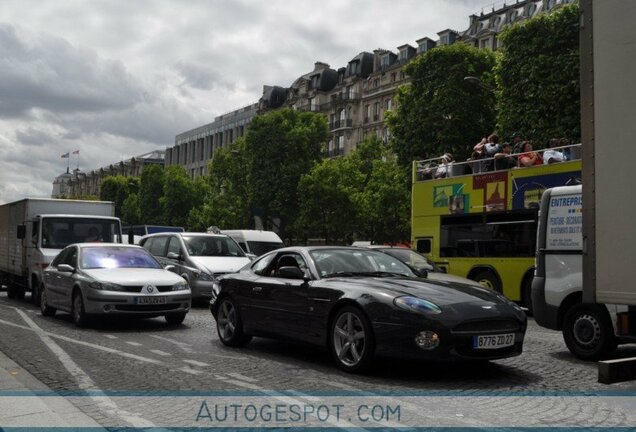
x=341, y=124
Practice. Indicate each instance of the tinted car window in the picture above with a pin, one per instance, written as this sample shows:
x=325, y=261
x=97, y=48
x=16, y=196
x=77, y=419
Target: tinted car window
x=158, y=246
x=261, y=265
x=333, y=261
x=71, y=258
x=212, y=246
x=59, y=259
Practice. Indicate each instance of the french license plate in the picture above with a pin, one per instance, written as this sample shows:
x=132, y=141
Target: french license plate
x=493, y=341
x=151, y=300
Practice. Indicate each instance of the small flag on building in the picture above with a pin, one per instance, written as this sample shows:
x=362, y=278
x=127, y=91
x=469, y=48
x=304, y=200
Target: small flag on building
x=65, y=156
x=76, y=152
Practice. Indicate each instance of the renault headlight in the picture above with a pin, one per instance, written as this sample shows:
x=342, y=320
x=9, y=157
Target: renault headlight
x=206, y=277
x=180, y=286
x=106, y=286
x=418, y=305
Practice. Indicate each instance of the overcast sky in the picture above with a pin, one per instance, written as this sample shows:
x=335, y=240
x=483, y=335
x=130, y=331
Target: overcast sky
x=118, y=78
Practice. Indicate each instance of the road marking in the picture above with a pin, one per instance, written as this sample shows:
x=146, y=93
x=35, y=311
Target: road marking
x=189, y=370
x=84, y=382
x=196, y=363
x=110, y=336
x=161, y=353
x=303, y=396
x=184, y=346
x=136, y=344
x=88, y=344
x=242, y=377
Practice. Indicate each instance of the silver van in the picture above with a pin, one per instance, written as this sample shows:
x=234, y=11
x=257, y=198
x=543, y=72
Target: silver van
x=197, y=257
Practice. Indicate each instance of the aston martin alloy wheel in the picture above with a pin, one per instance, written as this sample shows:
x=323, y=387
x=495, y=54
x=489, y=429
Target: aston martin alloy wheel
x=229, y=326
x=352, y=342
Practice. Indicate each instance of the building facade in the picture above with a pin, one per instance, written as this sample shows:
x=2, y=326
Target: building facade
x=80, y=183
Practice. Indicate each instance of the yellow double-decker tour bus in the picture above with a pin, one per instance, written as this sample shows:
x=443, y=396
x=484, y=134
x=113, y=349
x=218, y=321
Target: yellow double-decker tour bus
x=481, y=223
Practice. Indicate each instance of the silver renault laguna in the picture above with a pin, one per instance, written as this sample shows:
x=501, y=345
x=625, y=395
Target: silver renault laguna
x=112, y=279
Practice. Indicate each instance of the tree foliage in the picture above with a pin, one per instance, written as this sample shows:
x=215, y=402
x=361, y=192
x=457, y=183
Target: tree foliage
x=180, y=195
x=439, y=111
x=117, y=189
x=537, y=77
x=150, y=193
x=362, y=195
x=228, y=203
x=283, y=145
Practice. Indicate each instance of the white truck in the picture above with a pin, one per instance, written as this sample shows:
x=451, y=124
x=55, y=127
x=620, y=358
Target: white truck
x=34, y=230
x=585, y=269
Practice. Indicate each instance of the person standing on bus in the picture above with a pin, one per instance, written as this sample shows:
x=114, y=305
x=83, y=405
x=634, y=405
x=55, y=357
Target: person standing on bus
x=443, y=170
x=505, y=160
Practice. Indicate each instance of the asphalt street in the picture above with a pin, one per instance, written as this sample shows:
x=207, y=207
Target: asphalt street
x=155, y=374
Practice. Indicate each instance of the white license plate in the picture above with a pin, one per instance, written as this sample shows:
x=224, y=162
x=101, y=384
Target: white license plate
x=494, y=341
x=151, y=300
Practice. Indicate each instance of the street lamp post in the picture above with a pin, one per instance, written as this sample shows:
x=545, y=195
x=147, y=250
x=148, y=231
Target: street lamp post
x=478, y=82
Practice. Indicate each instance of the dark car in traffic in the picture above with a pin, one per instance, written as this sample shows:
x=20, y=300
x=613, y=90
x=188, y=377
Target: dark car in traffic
x=360, y=303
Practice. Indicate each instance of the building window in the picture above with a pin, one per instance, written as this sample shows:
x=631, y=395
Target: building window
x=393, y=77
x=443, y=40
x=367, y=110
x=312, y=104
x=388, y=104
x=484, y=43
x=402, y=75
x=404, y=55
x=376, y=111
x=386, y=60
x=376, y=82
x=340, y=142
x=350, y=92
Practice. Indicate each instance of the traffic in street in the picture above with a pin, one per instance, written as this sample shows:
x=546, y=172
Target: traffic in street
x=160, y=374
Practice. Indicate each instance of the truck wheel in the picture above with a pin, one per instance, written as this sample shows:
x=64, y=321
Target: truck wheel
x=175, y=319
x=588, y=332
x=12, y=291
x=19, y=293
x=488, y=279
x=526, y=295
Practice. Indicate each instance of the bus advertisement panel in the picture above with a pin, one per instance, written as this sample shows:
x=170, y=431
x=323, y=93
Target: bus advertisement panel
x=483, y=226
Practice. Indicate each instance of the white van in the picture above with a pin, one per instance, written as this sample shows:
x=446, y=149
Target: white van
x=255, y=242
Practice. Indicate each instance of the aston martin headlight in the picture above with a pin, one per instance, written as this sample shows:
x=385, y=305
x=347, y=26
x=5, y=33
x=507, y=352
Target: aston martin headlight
x=418, y=305
x=106, y=286
x=180, y=286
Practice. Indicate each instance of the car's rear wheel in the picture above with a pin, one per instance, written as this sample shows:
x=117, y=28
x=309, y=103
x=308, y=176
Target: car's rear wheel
x=44, y=305
x=588, y=332
x=175, y=319
x=352, y=341
x=79, y=313
x=229, y=325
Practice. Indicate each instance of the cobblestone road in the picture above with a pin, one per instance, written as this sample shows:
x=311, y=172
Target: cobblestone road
x=149, y=356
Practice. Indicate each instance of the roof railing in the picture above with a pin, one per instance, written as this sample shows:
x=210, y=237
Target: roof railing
x=427, y=169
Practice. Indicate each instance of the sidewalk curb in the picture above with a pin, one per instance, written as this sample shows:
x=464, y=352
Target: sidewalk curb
x=31, y=411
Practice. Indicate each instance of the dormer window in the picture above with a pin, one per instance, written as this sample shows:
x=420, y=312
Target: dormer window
x=443, y=40
x=404, y=55
x=385, y=61
x=532, y=9
x=315, y=81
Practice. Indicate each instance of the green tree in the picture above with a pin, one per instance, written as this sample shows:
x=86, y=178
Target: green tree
x=130, y=211
x=438, y=111
x=117, y=189
x=150, y=193
x=180, y=195
x=228, y=200
x=537, y=75
x=283, y=145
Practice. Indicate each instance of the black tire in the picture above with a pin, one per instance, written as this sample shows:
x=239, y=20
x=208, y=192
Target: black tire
x=526, y=295
x=12, y=291
x=80, y=319
x=352, y=347
x=44, y=307
x=175, y=319
x=588, y=332
x=35, y=293
x=229, y=325
x=488, y=279
x=19, y=293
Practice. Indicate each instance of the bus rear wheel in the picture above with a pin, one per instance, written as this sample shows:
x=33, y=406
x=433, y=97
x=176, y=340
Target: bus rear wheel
x=488, y=279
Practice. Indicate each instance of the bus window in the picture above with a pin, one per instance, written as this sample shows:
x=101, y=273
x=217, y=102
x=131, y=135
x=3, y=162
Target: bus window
x=424, y=246
x=490, y=235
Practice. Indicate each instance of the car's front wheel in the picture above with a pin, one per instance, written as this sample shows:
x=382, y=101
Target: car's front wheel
x=44, y=304
x=352, y=341
x=79, y=313
x=229, y=325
